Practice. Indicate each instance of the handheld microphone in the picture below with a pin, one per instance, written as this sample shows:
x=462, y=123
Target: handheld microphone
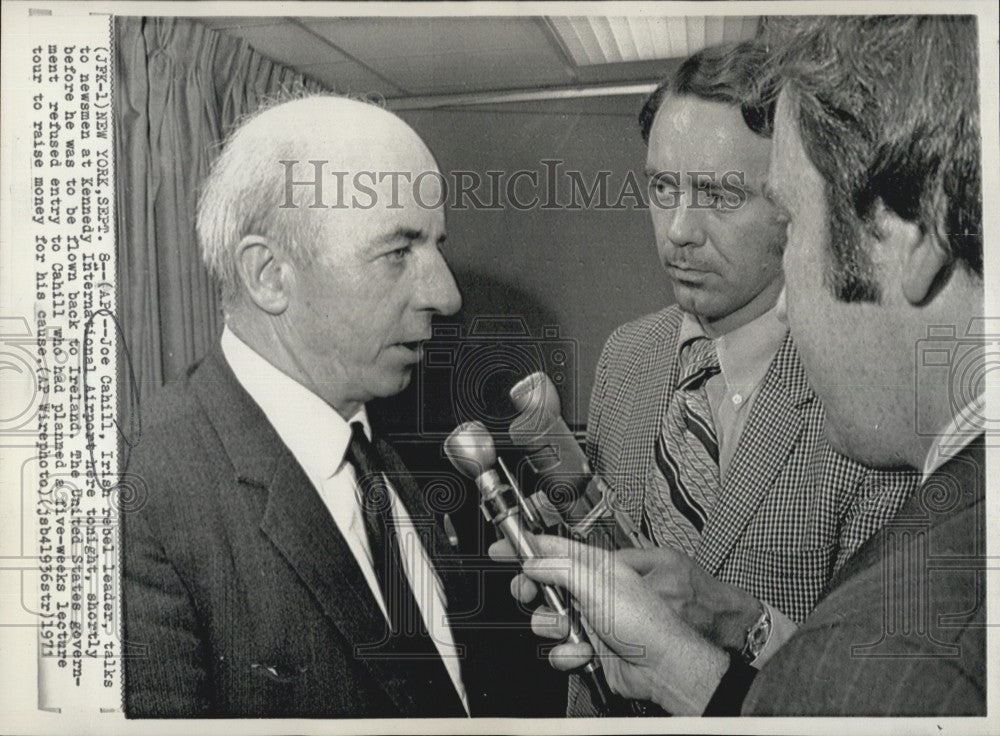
x=586, y=503
x=470, y=449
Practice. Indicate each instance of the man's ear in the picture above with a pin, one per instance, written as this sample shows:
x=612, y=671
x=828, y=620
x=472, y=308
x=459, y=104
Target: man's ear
x=924, y=263
x=264, y=273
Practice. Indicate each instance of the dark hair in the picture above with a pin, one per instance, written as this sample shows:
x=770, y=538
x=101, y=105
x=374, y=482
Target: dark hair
x=729, y=73
x=888, y=112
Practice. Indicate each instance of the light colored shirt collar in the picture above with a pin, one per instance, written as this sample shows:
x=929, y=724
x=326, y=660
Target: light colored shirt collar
x=963, y=428
x=745, y=353
x=312, y=429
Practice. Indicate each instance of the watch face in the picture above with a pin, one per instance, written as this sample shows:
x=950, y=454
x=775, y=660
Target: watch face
x=757, y=636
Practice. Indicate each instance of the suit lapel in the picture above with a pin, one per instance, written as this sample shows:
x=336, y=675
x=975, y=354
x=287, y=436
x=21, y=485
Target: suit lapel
x=409, y=493
x=656, y=375
x=297, y=523
x=446, y=563
x=770, y=434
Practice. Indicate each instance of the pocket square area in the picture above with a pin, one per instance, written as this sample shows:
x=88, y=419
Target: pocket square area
x=279, y=672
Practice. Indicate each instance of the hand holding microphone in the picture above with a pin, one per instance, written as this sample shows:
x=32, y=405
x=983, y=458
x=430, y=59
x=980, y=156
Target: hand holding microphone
x=470, y=449
x=643, y=585
x=649, y=651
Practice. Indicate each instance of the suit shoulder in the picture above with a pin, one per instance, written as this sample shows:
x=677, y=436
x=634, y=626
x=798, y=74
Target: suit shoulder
x=639, y=334
x=167, y=416
x=171, y=403
x=171, y=456
x=938, y=671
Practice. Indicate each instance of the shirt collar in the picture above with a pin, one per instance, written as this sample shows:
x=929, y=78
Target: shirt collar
x=963, y=428
x=312, y=429
x=745, y=353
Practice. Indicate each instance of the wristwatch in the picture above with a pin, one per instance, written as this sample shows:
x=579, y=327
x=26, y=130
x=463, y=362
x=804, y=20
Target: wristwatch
x=757, y=636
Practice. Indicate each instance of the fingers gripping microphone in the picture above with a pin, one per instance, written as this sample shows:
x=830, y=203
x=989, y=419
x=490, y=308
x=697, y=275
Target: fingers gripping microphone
x=470, y=449
x=586, y=503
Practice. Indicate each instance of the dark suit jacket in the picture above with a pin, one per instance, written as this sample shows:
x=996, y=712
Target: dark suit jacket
x=241, y=597
x=903, y=630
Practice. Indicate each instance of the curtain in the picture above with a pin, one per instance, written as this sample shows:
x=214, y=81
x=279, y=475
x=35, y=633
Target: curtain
x=180, y=89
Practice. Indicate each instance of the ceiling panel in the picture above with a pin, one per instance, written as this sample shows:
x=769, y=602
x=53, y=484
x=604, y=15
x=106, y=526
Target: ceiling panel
x=696, y=33
x=225, y=22
x=413, y=37
x=740, y=28
x=675, y=33
x=349, y=78
x=642, y=37
x=444, y=55
x=399, y=57
x=594, y=40
x=625, y=106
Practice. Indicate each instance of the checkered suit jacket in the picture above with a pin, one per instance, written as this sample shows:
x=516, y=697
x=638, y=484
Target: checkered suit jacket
x=791, y=510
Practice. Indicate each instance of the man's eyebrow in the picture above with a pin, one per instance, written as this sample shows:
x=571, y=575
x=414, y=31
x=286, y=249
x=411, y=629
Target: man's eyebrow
x=404, y=233
x=407, y=235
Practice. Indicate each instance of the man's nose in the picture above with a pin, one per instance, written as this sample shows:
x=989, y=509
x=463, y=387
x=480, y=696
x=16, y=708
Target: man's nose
x=438, y=291
x=684, y=224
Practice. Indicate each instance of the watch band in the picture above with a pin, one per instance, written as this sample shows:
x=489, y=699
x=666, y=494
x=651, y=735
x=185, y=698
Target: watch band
x=757, y=636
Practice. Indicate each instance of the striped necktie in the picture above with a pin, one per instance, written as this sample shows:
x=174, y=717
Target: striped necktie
x=685, y=482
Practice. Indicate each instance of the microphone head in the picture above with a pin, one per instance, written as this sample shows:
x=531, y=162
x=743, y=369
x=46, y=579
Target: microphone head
x=536, y=393
x=470, y=449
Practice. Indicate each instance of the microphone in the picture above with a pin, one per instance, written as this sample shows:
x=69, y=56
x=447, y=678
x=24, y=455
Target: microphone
x=470, y=449
x=586, y=503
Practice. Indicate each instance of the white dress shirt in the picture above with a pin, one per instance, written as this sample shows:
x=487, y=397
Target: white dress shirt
x=964, y=427
x=318, y=437
x=745, y=354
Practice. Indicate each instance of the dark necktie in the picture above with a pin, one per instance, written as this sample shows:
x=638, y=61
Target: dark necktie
x=383, y=539
x=408, y=639
x=687, y=455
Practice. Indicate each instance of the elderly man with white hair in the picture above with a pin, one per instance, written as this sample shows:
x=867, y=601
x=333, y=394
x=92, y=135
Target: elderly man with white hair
x=285, y=563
